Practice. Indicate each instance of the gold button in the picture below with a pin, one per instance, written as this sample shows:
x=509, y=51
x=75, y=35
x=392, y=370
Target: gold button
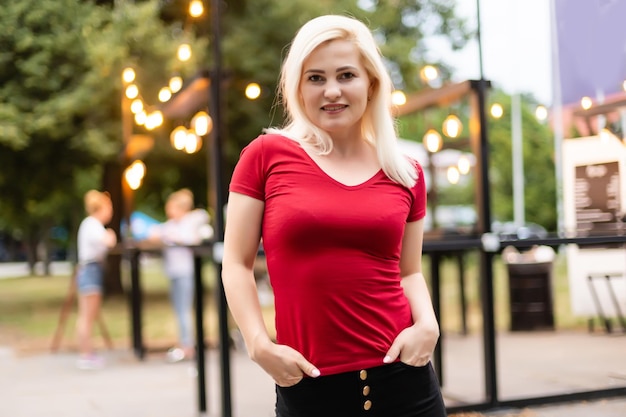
x=367, y=405
x=366, y=390
x=363, y=375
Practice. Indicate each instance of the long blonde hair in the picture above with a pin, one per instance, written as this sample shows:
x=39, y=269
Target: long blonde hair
x=377, y=125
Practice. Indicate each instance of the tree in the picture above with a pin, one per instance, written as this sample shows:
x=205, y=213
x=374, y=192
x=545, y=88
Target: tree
x=60, y=87
x=59, y=101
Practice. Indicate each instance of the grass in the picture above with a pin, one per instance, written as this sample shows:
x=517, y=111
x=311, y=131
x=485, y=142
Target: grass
x=30, y=307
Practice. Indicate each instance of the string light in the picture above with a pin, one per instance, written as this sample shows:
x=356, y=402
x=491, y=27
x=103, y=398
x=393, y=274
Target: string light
x=128, y=75
x=496, y=110
x=132, y=91
x=586, y=103
x=196, y=8
x=464, y=165
x=432, y=140
x=429, y=74
x=184, y=52
x=165, y=94
x=176, y=83
x=541, y=113
x=452, y=126
x=201, y=123
x=253, y=91
x=453, y=175
x=398, y=98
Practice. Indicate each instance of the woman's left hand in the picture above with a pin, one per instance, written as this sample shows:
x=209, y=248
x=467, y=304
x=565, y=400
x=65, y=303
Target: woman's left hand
x=414, y=345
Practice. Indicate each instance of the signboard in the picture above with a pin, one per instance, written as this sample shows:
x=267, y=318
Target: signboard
x=593, y=205
x=597, y=199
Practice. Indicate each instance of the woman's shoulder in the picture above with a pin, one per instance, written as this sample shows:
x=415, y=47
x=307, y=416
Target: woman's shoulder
x=271, y=142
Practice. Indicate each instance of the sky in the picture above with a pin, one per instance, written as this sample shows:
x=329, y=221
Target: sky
x=516, y=46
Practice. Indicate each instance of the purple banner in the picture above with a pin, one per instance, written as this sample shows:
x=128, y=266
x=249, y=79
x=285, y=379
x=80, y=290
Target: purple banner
x=591, y=39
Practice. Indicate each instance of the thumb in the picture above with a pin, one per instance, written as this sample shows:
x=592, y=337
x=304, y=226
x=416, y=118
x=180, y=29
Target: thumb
x=308, y=368
x=392, y=354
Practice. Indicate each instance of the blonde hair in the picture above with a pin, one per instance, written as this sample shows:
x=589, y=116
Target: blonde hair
x=182, y=198
x=377, y=126
x=94, y=200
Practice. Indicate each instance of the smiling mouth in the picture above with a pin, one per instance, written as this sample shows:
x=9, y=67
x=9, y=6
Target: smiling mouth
x=334, y=107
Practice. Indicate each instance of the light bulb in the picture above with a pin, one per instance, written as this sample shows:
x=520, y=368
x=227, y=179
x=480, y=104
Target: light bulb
x=398, y=98
x=496, y=110
x=184, y=52
x=128, y=75
x=452, y=126
x=432, y=140
x=176, y=83
x=253, y=91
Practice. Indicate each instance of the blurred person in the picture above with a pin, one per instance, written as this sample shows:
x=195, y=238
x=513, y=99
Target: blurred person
x=184, y=226
x=94, y=241
x=340, y=211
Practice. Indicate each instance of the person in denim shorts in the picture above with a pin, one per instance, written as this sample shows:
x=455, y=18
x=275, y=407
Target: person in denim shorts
x=94, y=241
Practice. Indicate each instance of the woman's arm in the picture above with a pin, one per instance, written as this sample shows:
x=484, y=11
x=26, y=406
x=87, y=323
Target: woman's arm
x=415, y=344
x=241, y=243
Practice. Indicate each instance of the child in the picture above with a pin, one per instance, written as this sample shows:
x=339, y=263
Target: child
x=94, y=241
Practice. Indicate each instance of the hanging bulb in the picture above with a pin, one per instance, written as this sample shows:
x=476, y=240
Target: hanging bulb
x=452, y=126
x=128, y=75
x=178, y=137
x=464, y=165
x=453, y=175
x=398, y=98
x=196, y=8
x=496, y=110
x=165, y=94
x=432, y=141
x=184, y=52
x=201, y=123
x=253, y=91
x=176, y=83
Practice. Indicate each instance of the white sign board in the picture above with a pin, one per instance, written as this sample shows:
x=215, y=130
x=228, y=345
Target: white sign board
x=594, y=203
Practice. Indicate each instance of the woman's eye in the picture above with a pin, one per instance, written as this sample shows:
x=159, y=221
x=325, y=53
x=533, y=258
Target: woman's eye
x=316, y=78
x=346, y=75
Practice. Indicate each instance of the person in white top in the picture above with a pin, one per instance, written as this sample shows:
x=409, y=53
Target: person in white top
x=185, y=226
x=94, y=241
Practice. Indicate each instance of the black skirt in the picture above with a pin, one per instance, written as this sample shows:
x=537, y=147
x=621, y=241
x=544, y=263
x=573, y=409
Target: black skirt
x=394, y=390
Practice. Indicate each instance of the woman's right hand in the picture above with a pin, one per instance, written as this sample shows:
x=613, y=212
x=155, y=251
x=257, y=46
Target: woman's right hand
x=284, y=364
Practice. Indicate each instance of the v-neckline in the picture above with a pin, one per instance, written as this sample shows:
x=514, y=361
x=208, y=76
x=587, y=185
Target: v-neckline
x=325, y=174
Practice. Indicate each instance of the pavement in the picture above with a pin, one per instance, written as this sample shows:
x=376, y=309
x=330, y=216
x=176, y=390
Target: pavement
x=530, y=365
x=50, y=385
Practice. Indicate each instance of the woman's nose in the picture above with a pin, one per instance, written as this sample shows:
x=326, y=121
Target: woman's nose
x=332, y=91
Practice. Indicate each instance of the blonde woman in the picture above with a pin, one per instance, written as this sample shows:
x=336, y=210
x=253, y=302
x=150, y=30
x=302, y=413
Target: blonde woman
x=94, y=241
x=341, y=214
x=183, y=227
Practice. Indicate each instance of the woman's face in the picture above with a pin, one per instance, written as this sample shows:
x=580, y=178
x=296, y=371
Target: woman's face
x=334, y=88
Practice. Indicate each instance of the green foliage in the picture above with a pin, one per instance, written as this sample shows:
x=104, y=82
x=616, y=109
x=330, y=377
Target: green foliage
x=60, y=87
x=538, y=161
x=60, y=90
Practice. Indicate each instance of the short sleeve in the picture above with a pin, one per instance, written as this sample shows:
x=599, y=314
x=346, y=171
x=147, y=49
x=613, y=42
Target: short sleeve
x=418, y=207
x=249, y=175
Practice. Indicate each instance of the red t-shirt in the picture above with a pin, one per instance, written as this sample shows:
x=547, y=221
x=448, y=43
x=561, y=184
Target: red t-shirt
x=332, y=253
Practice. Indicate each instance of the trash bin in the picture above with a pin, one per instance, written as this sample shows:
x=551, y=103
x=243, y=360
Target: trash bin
x=530, y=288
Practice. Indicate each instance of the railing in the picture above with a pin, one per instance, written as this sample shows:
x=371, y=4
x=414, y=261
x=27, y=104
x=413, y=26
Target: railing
x=435, y=249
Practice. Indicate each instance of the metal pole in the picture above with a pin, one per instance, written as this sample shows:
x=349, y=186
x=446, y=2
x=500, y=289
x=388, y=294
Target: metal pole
x=519, y=206
x=200, y=362
x=435, y=269
x=216, y=163
x=481, y=149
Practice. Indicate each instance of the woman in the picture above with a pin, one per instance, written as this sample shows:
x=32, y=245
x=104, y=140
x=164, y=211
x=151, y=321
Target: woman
x=341, y=214
x=94, y=242
x=182, y=228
